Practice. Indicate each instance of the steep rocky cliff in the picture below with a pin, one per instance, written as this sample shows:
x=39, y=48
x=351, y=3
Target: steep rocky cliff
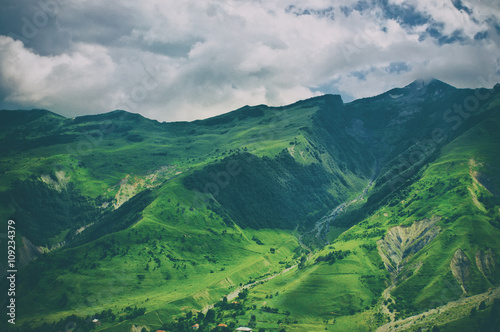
x=485, y=261
x=460, y=266
x=401, y=242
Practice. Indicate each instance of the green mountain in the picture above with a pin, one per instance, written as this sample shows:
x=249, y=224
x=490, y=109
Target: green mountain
x=379, y=213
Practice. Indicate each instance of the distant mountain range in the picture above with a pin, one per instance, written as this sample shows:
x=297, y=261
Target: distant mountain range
x=321, y=215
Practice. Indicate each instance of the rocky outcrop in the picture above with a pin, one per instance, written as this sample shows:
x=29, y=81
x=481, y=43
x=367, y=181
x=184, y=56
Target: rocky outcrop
x=485, y=262
x=58, y=181
x=460, y=267
x=401, y=242
x=47, y=249
x=130, y=185
x=137, y=328
x=27, y=252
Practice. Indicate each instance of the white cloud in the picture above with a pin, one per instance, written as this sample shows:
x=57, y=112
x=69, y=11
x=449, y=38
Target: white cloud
x=64, y=82
x=192, y=59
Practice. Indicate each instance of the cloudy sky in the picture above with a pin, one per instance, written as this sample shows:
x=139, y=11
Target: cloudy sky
x=191, y=59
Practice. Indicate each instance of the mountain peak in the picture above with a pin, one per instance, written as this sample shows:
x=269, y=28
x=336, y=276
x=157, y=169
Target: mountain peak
x=113, y=115
x=9, y=118
x=420, y=83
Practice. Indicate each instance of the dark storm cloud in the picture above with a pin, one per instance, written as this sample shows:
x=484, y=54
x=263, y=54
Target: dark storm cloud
x=50, y=27
x=104, y=24
x=36, y=24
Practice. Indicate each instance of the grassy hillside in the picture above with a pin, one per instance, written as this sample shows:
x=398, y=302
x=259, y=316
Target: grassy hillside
x=122, y=179
x=459, y=191
x=111, y=157
x=143, y=223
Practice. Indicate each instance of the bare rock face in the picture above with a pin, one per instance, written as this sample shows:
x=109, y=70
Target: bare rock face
x=136, y=328
x=27, y=252
x=400, y=243
x=485, y=262
x=459, y=265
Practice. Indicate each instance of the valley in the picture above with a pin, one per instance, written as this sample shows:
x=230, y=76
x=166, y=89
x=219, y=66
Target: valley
x=322, y=226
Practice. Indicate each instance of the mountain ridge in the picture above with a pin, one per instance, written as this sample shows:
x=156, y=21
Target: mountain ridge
x=418, y=84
